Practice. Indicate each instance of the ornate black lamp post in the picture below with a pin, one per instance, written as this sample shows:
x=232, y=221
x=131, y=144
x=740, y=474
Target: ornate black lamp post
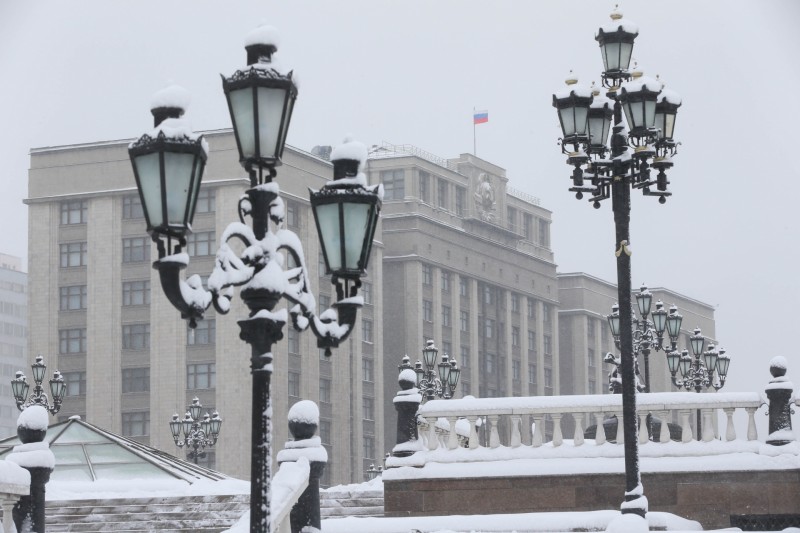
x=20, y=388
x=168, y=165
x=609, y=170
x=197, y=434
x=431, y=386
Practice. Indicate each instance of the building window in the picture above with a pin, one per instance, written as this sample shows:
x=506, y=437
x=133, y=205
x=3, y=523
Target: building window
x=592, y=361
x=488, y=294
x=324, y=391
x=200, y=244
x=464, y=320
x=531, y=308
x=136, y=336
x=201, y=376
x=446, y=316
x=447, y=348
x=292, y=214
x=206, y=200
x=445, y=281
x=461, y=201
x=424, y=186
x=514, y=302
x=544, y=233
x=366, y=330
x=135, y=249
x=136, y=424
x=532, y=374
x=204, y=333
x=368, y=408
x=136, y=379
x=548, y=345
x=592, y=387
x=427, y=310
x=527, y=226
x=74, y=212
x=427, y=275
x=366, y=292
x=369, y=447
x=547, y=314
x=511, y=218
x=72, y=298
x=441, y=193
x=136, y=292
x=367, y=369
x=324, y=303
x=325, y=431
x=73, y=254
x=531, y=341
x=516, y=369
x=132, y=207
x=548, y=378
x=514, y=336
x=489, y=363
x=294, y=384
x=72, y=341
x=463, y=287
x=76, y=383
x=293, y=341
x=488, y=328
x=394, y=186
x=590, y=328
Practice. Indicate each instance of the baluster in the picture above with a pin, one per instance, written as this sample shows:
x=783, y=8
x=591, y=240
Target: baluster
x=452, y=437
x=663, y=435
x=620, y=428
x=558, y=439
x=578, y=437
x=708, y=426
x=473, y=432
x=538, y=431
x=433, y=439
x=516, y=437
x=644, y=436
x=686, y=427
x=730, y=431
x=600, y=434
x=752, y=434
x=494, y=438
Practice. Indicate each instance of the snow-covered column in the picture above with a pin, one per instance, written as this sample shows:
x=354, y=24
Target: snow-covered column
x=303, y=423
x=33, y=455
x=779, y=391
x=406, y=403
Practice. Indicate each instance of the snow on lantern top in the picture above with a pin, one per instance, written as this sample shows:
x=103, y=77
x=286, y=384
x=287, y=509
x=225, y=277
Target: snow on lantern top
x=669, y=96
x=173, y=96
x=263, y=35
x=617, y=23
x=34, y=417
x=573, y=87
x=304, y=411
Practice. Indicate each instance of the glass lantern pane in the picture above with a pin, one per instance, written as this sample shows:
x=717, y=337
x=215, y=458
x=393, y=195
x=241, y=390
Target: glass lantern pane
x=242, y=110
x=611, y=56
x=286, y=126
x=270, y=112
x=659, y=124
x=149, y=172
x=567, y=120
x=178, y=172
x=669, y=125
x=581, y=122
x=328, y=220
x=649, y=113
x=598, y=131
x=356, y=219
x=625, y=51
x=637, y=110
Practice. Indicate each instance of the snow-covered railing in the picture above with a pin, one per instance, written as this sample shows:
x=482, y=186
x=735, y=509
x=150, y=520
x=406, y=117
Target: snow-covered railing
x=584, y=410
x=287, y=487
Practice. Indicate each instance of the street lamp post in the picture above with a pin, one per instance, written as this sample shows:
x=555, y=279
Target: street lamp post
x=441, y=383
x=197, y=434
x=20, y=388
x=168, y=165
x=585, y=118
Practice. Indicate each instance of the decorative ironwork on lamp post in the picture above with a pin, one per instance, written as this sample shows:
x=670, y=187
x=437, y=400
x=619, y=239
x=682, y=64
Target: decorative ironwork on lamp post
x=606, y=169
x=441, y=383
x=20, y=388
x=168, y=165
x=198, y=434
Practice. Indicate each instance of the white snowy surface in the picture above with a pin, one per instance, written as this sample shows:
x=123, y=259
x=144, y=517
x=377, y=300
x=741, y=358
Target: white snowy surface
x=350, y=149
x=582, y=91
x=33, y=455
x=670, y=96
x=637, y=84
x=12, y=474
x=305, y=411
x=263, y=34
x=171, y=96
x=410, y=395
x=778, y=361
x=544, y=522
x=367, y=486
x=142, y=488
x=33, y=417
x=311, y=449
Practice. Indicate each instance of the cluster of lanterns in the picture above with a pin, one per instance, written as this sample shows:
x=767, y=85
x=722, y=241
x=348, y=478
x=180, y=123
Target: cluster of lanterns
x=20, y=388
x=448, y=373
x=197, y=433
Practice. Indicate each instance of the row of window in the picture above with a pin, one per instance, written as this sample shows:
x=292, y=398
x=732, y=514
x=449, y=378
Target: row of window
x=77, y=211
x=198, y=376
x=135, y=249
x=13, y=330
x=394, y=187
x=10, y=286
x=135, y=337
x=12, y=309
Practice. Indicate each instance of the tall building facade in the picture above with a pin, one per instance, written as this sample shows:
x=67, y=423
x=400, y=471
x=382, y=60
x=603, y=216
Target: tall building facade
x=467, y=263
x=13, y=336
x=129, y=359
x=585, y=336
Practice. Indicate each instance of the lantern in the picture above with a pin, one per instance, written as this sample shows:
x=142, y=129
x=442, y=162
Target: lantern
x=573, y=104
x=674, y=320
x=429, y=355
x=667, y=105
x=697, y=342
x=644, y=299
x=659, y=319
x=58, y=387
x=175, y=427
x=195, y=409
x=638, y=98
x=710, y=358
x=601, y=111
x=616, y=45
x=613, y=320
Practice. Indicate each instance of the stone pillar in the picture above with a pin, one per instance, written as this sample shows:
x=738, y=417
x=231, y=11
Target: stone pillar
x=303, y=423
x=33, y=455
x=406, y=402
x=779, y=393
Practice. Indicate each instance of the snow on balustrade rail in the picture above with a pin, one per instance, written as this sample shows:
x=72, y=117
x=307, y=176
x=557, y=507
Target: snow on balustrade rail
x=392, y=150
x=660, y=404
x=523, y=196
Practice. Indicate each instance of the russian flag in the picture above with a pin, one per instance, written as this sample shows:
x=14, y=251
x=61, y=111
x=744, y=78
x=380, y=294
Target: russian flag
x=479, y=117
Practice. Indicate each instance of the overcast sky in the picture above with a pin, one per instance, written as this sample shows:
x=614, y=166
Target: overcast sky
x=412, y=72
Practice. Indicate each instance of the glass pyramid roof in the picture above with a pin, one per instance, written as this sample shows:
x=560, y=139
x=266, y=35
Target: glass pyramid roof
x=85, y=452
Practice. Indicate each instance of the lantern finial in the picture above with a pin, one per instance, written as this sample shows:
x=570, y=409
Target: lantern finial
x=169, y=102
x=616, y=14
x=572, y=79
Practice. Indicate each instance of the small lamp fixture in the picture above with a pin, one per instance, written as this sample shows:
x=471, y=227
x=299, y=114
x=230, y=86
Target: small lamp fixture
x=667, y=105
x=673, y=361
x=175, y=427
x=20, y=387
x=710, y=358
x=674, y=321
x=195, y=409
x=573, y=105
x=616, y=46
x=644, y=300
x=216, y=424
x=260, y=100
x=613, y=320
x=444, y=369
x=601, y=113
x=58, y=387
x=429, y=355
x=452, y=380
x=697, y=342
x=659, y=319
x=723, y=362
x=38, y=369
x=686, y=363
x=186, y=424
x=168, y=165
x=419, y=371
x=638, y=98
